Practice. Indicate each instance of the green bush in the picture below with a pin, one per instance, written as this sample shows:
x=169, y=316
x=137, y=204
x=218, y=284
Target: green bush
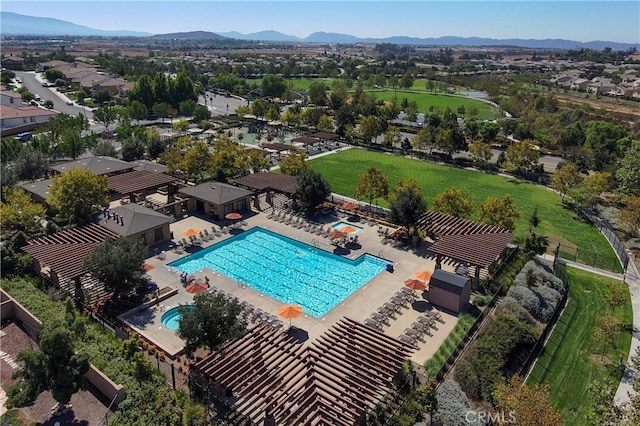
x=492, y=351
x=481, y=300
x=434, y=364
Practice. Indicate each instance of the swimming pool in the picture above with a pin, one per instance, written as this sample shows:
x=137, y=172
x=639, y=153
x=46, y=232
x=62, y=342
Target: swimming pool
x=171, y=318
x=346, y=227
x=285, y=269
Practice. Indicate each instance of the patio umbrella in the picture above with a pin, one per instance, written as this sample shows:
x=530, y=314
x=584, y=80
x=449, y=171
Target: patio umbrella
x=191, y=232
x=233, y=216
x=414, y=284
x=289, y=311
x=147, y=267
x=424, y=275
x=348, y=205
x=197, y=287
x=336, y=235
x=348, y=229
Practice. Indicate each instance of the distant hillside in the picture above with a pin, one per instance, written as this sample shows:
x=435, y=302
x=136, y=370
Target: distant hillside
x=268, y=35
x=191, y=35
x=324, y=37
x=16, y=24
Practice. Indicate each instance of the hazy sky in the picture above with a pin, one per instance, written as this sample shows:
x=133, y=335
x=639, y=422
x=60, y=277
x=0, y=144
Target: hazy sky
x=573, y=20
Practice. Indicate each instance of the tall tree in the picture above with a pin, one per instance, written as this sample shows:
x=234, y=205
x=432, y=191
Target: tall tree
x=453, y=201
x=424, y=140
x=489, y=131
x=602, y=138
x=392, y=137
x=162, y=110
x=628, y=173
x=137, y=110
x=318, y=93
x=295, y=162
x=369, y=128
x=212, y=321
x=480, y=151
x=77, y=193
x=56, y=367
x=117, y=263
x=522, y=156
x=19, y=213
x=407, y=203
x=526, y=405
x=565, y=178
x=372, y=184
x=273, y=85
x=630, y=215
x=311, y=189
x=499, y=212
x=325, y=124
x=106, y=115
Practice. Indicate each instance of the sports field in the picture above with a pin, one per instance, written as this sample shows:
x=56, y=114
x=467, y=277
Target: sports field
x=343, y=169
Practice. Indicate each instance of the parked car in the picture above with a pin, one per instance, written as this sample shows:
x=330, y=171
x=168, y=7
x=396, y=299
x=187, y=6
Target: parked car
x=23, y=137
x=69, y=102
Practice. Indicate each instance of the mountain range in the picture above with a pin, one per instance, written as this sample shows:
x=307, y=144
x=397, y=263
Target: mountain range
x=16, y=24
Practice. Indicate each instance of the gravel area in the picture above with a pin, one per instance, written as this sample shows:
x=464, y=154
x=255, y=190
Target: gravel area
x=88, y=407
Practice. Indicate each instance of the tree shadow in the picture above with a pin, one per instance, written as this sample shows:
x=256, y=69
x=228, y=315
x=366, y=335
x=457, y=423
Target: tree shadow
x=297, y=334
x=66, y=418
x=341, y=251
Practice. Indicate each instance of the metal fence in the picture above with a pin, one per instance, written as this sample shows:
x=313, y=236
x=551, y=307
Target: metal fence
x=609, y=232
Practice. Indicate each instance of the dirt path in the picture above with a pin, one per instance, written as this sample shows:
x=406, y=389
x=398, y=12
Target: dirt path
x=617, y=108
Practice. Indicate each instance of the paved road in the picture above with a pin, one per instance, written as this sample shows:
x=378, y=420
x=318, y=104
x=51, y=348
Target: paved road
x=219, y=104
x=34, y=84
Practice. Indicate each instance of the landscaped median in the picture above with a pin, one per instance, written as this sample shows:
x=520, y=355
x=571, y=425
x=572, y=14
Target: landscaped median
x=585, y=347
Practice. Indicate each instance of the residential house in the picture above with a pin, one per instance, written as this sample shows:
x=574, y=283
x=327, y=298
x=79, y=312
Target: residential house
x=24, y=118
x=10, y=97
x=15, y=63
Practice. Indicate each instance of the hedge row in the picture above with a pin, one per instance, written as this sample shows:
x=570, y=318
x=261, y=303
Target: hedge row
x=480, y=369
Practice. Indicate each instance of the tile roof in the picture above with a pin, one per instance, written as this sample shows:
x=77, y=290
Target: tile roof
x=217, y=193
x=132, y=219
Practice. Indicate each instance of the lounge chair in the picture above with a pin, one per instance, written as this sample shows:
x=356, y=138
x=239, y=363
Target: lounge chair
x=372, y=323
x=185, y=243
x=407, y=339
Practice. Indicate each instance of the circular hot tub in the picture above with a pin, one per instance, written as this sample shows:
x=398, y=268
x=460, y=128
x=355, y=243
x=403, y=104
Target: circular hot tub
x=171, y=318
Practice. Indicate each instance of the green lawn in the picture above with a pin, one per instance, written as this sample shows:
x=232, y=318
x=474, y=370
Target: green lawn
x=426, y=100
x=577, y=361
x=561, y=225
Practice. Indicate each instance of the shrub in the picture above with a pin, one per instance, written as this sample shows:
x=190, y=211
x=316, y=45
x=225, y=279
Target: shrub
x=453, y=406
x=467, y=377
x=481, y=300
x=526, y=298
x=510, y=306
x=543, y=275
x=496, y=346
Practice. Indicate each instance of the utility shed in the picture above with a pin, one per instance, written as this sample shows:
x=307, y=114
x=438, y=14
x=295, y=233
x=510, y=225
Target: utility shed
x=449, y=291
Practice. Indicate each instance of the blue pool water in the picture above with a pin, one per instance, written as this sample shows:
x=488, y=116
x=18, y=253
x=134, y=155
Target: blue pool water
x=340, y=225
x=171, y=318
x=285, y=269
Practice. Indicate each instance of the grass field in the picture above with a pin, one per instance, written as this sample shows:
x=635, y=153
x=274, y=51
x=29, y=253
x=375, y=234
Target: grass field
x=577, y=361
x=343, y=169
x=426, y=100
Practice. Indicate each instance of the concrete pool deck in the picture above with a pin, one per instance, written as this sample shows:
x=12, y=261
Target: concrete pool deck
x=358, y=306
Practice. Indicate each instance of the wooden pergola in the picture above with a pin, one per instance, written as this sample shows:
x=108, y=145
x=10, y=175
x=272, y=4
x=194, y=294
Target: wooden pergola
x=464, y=240
x=270, y=377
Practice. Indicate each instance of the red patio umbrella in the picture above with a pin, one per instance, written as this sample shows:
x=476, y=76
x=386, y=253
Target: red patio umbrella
x=348, y=229
x=233, y=216
x=147, y=267
x=348, y=205
x=197, y=287
x=414, y=284
x=336, y=235
x=191, y=232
